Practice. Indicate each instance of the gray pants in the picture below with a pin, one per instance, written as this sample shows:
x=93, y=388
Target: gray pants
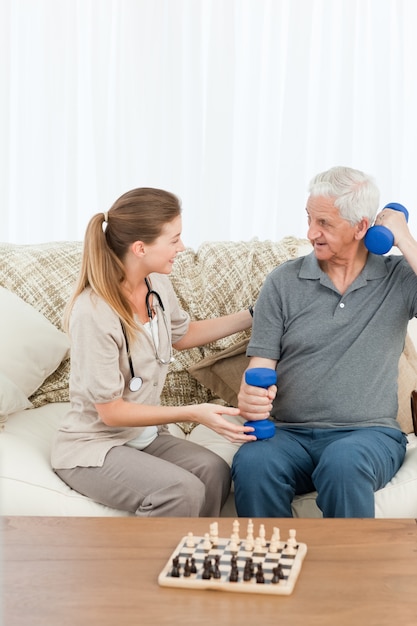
x=169, y=478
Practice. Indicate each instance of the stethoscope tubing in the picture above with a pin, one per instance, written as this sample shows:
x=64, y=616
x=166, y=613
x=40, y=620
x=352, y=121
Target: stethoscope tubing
x=136, y=382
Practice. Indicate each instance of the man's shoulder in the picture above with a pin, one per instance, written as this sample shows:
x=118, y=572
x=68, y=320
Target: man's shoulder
x=292, y=267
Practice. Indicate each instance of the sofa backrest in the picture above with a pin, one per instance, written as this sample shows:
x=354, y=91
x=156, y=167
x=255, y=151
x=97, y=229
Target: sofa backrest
x=218, y=278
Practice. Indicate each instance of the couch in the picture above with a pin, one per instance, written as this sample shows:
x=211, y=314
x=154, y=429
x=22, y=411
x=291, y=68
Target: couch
x=218, y=278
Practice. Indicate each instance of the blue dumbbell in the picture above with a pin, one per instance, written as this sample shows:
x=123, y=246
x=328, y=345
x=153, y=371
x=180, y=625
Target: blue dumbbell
x=379, y=239
x=261, y=377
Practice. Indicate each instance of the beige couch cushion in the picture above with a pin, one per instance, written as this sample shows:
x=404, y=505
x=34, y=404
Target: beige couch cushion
x=222, y=372
x=31, y=347
x=43, y=276
x=12, y=399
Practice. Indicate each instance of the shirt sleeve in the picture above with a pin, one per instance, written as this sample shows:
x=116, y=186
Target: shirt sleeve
x=96, y=342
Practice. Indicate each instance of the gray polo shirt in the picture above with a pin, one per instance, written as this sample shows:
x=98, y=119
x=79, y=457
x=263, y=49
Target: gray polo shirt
x=337, y=354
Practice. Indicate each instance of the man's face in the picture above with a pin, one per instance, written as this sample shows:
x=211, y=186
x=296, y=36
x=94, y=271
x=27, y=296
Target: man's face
x=331, y=235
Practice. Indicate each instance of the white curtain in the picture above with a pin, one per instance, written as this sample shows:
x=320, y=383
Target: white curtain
x=231, y=104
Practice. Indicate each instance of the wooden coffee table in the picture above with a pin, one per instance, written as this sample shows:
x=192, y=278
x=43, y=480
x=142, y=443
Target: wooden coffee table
x=62, y=571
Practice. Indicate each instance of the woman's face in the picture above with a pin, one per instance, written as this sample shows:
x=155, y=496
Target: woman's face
x=160, y=255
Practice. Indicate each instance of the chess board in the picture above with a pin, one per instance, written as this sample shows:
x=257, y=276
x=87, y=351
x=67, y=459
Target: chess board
x=272, y=572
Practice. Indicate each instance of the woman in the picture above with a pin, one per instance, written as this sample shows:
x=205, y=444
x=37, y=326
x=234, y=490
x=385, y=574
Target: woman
x=123, y=320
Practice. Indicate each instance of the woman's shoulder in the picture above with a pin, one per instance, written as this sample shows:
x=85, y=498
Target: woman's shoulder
x=90, y=305
x=159, y=280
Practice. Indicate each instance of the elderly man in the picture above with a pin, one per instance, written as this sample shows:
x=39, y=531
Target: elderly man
x=333, y=325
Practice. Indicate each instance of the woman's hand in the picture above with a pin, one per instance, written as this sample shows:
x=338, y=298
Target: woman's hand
x=214, y=416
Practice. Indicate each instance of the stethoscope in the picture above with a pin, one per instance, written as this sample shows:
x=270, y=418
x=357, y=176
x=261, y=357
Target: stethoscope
x=136, y=382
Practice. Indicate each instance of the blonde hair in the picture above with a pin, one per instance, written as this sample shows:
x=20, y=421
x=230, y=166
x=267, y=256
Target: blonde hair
x=138, y=215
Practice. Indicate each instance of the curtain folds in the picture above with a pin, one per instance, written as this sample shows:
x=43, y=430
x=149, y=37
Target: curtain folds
x=232, y=104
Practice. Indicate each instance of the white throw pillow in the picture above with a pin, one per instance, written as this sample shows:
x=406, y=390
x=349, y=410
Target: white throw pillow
x=12, y=399
x=31, y=348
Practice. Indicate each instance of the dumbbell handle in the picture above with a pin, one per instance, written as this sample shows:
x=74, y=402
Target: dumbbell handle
x=379, y=239
x=261, y=377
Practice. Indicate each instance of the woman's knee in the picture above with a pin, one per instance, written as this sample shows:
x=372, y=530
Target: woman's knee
x=178, y=498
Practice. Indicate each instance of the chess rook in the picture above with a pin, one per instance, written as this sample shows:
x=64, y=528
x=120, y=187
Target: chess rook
x=261, y=377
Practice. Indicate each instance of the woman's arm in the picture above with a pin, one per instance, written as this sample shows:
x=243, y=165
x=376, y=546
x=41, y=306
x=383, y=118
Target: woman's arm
x=120, y=413
x=201, y=332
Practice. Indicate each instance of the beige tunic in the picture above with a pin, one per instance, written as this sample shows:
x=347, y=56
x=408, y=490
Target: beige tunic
x=100, y=373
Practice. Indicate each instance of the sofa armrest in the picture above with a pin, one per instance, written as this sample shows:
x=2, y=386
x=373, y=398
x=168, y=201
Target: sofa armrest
x=413, y=400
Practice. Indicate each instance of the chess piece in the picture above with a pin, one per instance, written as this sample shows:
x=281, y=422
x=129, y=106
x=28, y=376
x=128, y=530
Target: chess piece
x=291, y=542
x=262, y=534
x=260, y=574
x=257, y=549
x=187, y=568
x=214, y=534
x=175, y=571
x=207, y=543
x=235, y=531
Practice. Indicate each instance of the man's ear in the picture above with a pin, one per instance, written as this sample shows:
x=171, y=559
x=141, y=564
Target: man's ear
x=361, y=228
x=138, y=248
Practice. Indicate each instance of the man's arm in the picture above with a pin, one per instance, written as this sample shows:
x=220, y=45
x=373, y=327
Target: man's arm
x=395, y=221
x=255, y=403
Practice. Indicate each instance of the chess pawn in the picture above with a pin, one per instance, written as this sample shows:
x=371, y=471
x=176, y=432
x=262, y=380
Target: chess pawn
x=249, y=543
x=233, y=545
x=206, y=543
x=291, y=542
x=262, y=534
x=258, y=546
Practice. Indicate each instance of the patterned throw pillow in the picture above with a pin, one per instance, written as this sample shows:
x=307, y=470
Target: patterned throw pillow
x=43, y=275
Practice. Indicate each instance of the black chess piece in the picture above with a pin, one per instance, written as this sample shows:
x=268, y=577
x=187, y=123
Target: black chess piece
x=175, y=572
x=187, y=569
x=260, y=574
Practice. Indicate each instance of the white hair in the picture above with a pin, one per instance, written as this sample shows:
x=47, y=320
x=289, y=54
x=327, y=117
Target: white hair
x=356, y=194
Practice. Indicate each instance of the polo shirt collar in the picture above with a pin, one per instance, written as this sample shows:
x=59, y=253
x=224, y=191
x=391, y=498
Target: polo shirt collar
x=375, y=268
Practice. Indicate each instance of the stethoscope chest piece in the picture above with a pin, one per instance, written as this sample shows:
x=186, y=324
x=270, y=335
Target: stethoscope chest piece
x=135, y=383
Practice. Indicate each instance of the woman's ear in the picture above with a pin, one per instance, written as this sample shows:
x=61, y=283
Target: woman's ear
x=138, y=248
x=361, y=228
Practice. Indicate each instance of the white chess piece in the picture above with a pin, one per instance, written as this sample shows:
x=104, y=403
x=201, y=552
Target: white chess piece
x=207, y=542
x=291, y=542
x=214, y=533
x=276, y=537
x=235, y=531
x=262, y=534
x=233, y=547
x=258, y=545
